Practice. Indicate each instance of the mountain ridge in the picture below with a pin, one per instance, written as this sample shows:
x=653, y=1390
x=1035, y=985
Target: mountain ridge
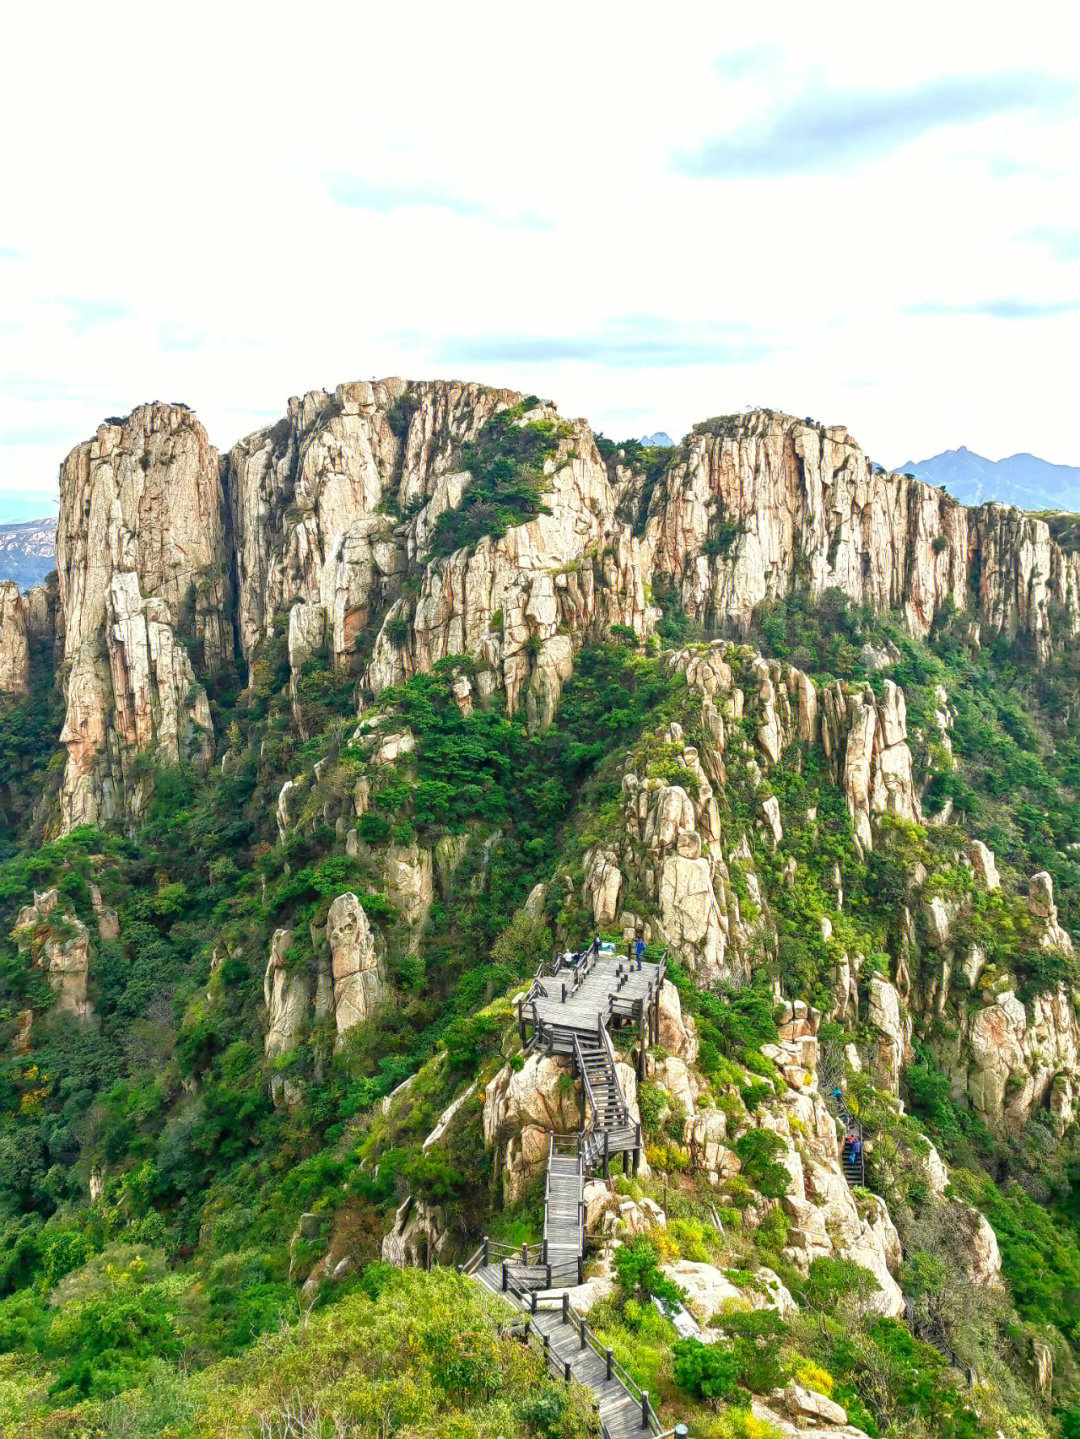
x=319, y=748
x=27, y=551
x=1023, y=479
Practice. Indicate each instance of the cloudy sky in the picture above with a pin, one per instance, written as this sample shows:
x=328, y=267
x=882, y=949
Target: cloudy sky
x=649, y=214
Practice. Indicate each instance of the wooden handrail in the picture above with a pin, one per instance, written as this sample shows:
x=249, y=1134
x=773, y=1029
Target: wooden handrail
x=528, y=1301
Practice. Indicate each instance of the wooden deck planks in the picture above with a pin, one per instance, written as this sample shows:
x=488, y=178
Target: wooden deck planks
x=591, y=998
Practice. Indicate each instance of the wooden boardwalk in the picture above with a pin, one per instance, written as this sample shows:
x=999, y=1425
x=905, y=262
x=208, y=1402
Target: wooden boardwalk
x=573, y=1354
x=568, y=1011
x=587, y=992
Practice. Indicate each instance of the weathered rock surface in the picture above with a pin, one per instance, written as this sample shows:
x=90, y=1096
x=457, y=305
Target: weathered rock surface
x=677, y=1033
x=709, y=1292
x=781, y=1421
x=825, y=1217
x=806, y=502
x=287, y=998
x=358, y=983
x=60, y=944
x=143, y=566
x=521, y=1107
x=14, y=641
x=419, y=1236
x=307, y=498
x=333, y=507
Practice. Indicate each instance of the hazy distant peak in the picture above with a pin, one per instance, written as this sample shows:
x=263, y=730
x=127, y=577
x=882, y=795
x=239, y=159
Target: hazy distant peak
x=656, y=440
x=27, y=551
x=1022, y=480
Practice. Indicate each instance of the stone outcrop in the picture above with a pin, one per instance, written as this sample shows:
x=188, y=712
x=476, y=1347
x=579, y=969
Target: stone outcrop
x=328, y=512
x=521, y=1107
x=709, y=1292
x=825, y=1217
x=60, y=944
x=893, y=1029
x=808, y=509
x=419, y=1236
x=796, y=1410
x=670, y=846
x=312, y=498
x=143, y=566
x=1006, y=1058
x=14, y=641
x=354, y=959
x=677, y=1033
x=293, y=999
x=409, y=872
x=864, y=738
x=347, y=981
x=780, y=1420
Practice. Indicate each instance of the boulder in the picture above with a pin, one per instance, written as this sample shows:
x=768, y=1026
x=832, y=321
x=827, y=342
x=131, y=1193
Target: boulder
x=808, y=1406
x=709, y=1292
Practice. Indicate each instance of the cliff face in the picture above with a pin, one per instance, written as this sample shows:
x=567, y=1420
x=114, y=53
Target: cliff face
x=315, y=500
x=14, y=642
x=143, y=564
x=803, y=506
x=164, y=552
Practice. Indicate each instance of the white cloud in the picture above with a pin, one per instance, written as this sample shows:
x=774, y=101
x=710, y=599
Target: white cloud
x=217, y=208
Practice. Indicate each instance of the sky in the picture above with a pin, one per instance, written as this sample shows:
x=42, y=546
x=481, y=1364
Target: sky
x=649, y=214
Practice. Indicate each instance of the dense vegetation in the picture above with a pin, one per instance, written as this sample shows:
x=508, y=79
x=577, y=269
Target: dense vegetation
x=175, y=1297
x=506, y=478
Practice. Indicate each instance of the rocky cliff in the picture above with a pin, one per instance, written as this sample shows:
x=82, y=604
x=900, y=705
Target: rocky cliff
x=289, y=995
x=144, y=569
x=166, y=551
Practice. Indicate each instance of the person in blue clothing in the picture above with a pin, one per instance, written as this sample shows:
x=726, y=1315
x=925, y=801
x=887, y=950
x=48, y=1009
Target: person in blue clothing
x=639, y=950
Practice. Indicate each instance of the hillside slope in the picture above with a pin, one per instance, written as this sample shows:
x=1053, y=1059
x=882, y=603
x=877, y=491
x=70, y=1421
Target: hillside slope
x=319, y=746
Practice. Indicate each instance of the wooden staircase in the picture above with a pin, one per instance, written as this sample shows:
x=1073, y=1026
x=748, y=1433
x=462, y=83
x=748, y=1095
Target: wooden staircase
x=564, y=1219
x=609, y=1127
x=570, y=1349
x=570, y=1006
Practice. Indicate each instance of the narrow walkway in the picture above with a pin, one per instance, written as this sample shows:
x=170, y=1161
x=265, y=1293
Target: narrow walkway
x=571, y=1350
x=564, y=1219
x=852, y=1155
x=568, y=1009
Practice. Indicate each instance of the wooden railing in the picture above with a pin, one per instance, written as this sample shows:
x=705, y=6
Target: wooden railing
x=528, y=1300
x=587, y=1339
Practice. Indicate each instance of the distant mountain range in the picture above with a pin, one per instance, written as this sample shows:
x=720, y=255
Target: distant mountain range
x=657, y=440
x=1021, y=480
x=28, y=551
